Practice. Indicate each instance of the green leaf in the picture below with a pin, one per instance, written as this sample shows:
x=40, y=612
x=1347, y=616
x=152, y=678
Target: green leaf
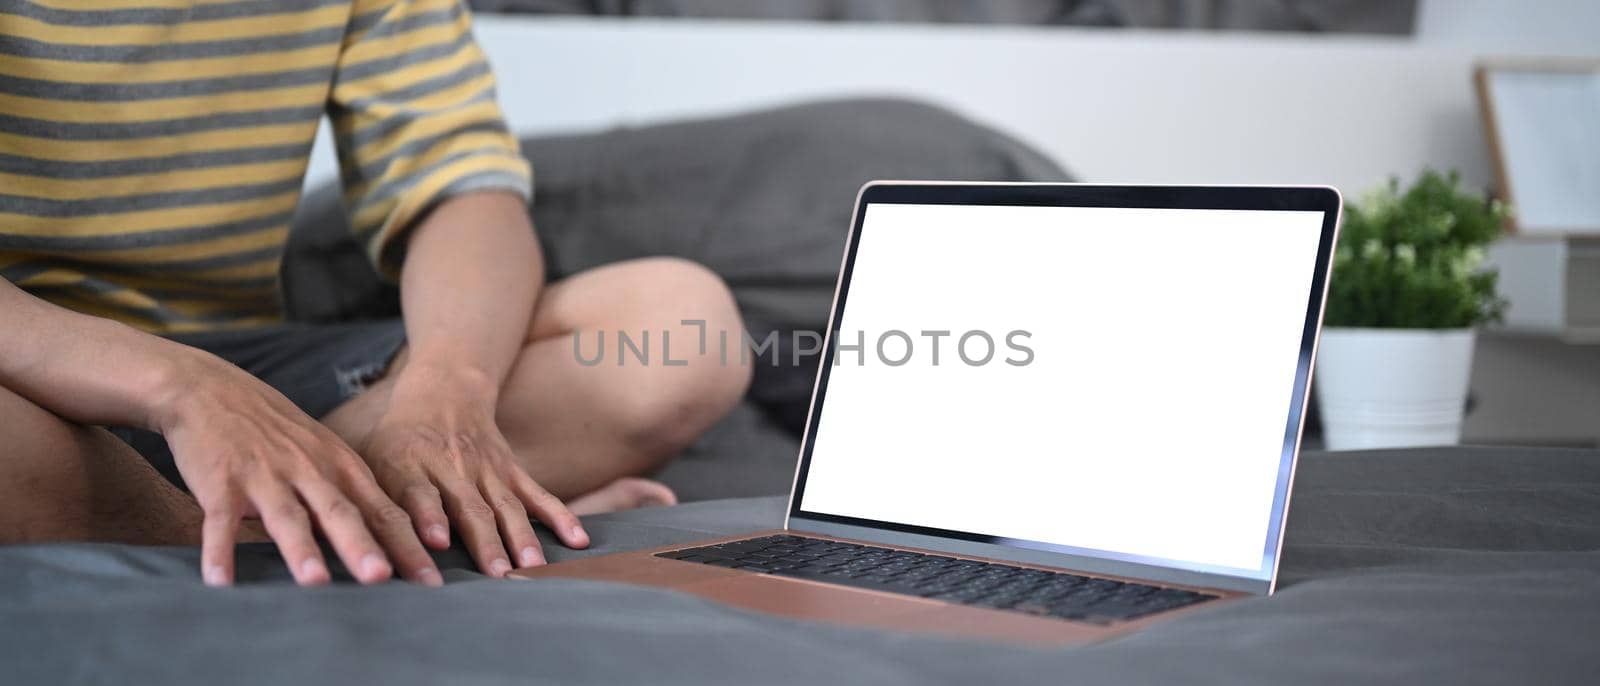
x=1413, y=257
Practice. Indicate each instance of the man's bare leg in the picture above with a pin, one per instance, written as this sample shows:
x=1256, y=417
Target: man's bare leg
x=582, y=430
x=64, y=482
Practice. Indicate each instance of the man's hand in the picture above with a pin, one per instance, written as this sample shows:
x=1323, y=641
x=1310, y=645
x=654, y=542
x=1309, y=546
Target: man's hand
x=439, y=453
x=245, y=451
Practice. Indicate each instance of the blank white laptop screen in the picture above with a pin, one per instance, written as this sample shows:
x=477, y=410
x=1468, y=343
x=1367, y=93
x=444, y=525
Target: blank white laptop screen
x=1146, y=419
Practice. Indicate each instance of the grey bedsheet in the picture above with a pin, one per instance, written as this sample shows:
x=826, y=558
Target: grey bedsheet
x=1458, y=566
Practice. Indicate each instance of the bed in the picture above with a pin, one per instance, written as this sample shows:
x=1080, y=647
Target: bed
x=1453, y=565
x=1450, y=566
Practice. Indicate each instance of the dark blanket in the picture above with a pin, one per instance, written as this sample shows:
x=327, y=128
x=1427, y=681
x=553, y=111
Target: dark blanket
x=1449, y=566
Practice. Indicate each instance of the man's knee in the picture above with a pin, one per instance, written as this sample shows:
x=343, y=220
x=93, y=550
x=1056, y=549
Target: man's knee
x=63, y=481
x=698, y=374
x=661, y=418
x=42, y=486
x=32, y=433
x=679, y=288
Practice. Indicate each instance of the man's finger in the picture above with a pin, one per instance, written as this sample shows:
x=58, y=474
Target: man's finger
x=290, y=529
x=426, y=507
x=393, y=527
x=514, y=526
x=549, y=510
x=217, y=535
x=346, y=528
x=475, y=520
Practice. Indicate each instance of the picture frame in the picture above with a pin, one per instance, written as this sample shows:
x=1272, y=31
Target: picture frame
x=1541, y=119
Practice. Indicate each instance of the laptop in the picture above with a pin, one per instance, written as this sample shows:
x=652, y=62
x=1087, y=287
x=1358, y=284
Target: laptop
x=1045, y=413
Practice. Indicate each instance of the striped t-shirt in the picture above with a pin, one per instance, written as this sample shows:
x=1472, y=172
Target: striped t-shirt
x=152, y=151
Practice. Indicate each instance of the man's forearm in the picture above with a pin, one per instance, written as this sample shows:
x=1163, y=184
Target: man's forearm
x=472, y=274
x=86, y=369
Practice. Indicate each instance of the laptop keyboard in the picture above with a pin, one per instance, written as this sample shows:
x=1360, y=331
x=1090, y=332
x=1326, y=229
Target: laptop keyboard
x=964, y=582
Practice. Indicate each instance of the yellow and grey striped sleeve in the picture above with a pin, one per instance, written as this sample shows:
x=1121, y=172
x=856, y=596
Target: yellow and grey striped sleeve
x=415, y=120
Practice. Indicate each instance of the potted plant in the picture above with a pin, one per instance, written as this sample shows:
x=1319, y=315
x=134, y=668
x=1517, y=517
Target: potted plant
x=1408, y=288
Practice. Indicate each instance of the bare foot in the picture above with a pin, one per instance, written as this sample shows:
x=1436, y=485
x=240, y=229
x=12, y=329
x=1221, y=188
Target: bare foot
x=626, y=493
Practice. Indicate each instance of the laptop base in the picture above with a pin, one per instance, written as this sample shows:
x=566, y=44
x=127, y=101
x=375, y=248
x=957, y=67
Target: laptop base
x=831, y=603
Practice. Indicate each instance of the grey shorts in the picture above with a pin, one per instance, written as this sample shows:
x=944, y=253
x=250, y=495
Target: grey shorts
x=317, y=366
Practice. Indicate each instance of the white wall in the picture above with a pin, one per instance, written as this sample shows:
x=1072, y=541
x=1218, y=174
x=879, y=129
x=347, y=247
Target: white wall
x=1113, y=106
x=1547, y=27
x=1133, y=106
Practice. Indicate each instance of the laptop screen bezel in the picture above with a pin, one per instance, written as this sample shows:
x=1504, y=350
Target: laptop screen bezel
x=1308, y=198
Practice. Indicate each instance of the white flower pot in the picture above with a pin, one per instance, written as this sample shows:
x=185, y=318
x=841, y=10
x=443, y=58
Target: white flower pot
x=1391, y=388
